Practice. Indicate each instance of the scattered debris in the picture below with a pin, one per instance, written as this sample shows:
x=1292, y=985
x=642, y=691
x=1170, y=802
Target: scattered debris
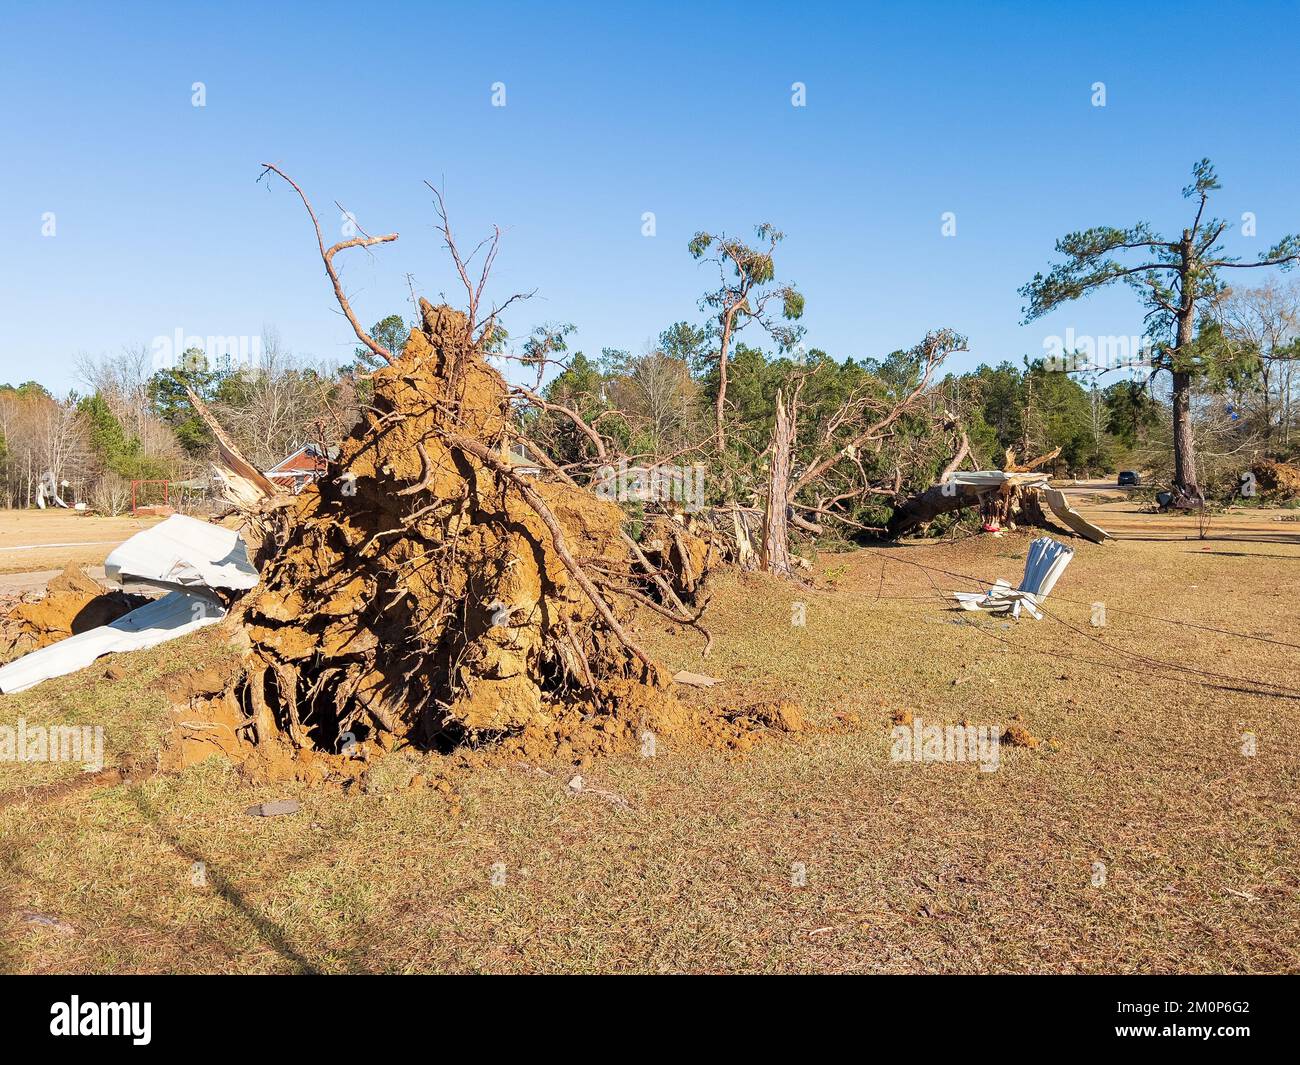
x=1044, y=564
x=696, y=680
x=1070, y=517
x=1001, y=497
x=578, y=786
x=276, y=808
x=205, y=564
x=1017, y=735
x=46, y=921
x=163, y=619
x=182, y=554
x=74, y=602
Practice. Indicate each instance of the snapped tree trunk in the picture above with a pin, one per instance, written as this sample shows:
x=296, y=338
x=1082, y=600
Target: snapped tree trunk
x=774, y=555
x=720, y=404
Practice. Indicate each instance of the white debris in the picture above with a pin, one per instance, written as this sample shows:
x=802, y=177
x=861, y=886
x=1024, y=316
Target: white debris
x=1044, y=564
x=187, y=558
x=1071, y=518
x=182, y=554
x=164, y=619
x=997, y=478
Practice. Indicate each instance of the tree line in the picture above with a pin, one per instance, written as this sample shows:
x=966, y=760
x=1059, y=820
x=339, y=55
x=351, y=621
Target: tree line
x=838, y=436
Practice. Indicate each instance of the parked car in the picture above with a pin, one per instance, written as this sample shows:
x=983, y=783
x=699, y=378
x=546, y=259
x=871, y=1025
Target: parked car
x=1129, y=478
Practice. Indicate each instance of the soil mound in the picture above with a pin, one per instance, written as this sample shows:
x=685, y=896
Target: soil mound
x=425, y=589
x=1277, y=480
x=73, y=602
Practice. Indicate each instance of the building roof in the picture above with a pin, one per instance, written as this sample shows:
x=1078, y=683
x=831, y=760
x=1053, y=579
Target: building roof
x=307, y=459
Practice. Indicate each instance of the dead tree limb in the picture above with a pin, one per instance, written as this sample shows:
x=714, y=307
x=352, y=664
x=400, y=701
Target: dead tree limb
x=1028, y=467
x=327, y=257
x=957, y=459
x=932, y=351
x=597, y=441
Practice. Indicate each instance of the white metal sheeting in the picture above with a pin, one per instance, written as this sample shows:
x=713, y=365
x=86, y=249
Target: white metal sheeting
x=182, y=553
x=164, y=619
x=997, y=478
x=185, y=557
x=1069, y=516
x=1044, y=564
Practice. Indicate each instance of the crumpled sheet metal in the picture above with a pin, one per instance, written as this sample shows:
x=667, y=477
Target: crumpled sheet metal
x=191, y=560
x=1044, y=563
x=182, y=554
x=164, y=619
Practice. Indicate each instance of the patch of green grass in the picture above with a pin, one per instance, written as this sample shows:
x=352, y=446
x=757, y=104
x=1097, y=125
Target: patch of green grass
x=123, y=694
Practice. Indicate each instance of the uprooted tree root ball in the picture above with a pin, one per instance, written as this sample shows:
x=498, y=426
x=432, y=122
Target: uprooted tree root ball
x=425, y=591
x=623, y=717
x=414, y=590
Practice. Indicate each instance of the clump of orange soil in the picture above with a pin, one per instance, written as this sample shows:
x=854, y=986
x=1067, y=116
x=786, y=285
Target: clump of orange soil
x=683, y=556
x=621, y=717
x=626, y=716
x=208, y=719
x=1277, y=480
x=415, y=593
x=73, y=602
x=1019, y=736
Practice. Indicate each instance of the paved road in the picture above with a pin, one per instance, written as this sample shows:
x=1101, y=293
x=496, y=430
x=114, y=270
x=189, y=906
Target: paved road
x=17, y=584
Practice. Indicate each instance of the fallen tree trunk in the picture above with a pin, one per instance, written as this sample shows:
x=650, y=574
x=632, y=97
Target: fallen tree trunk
x=1002, y=499
x=925, y=507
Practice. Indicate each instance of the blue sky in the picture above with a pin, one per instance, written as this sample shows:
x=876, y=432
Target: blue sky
x=683, y=110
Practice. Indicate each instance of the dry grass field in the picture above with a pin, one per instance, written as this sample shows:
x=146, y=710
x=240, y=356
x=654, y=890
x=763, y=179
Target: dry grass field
x=47, y=540
x=906, y=867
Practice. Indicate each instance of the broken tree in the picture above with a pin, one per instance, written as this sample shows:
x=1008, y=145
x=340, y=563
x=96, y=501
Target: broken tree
x=1003, y=498
x=841, y=452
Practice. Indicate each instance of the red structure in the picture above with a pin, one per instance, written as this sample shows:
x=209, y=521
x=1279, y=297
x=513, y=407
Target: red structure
x=299, y=469
x=136, y=506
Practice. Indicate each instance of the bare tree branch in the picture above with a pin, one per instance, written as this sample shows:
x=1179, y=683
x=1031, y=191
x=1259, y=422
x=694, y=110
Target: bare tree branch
x=327, y=257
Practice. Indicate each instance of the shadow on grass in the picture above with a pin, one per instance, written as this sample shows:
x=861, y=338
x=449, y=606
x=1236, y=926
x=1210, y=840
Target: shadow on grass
x=1247, y=554
x=272, y=935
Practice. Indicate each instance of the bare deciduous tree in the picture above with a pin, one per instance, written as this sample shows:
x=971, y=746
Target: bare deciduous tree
x=1265, y=322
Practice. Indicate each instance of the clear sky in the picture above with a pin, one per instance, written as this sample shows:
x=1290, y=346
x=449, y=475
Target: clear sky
x=684, y=110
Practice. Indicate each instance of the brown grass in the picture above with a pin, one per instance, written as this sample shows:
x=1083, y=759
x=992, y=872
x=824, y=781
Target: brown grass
x=26, y=534
x=909, y=868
